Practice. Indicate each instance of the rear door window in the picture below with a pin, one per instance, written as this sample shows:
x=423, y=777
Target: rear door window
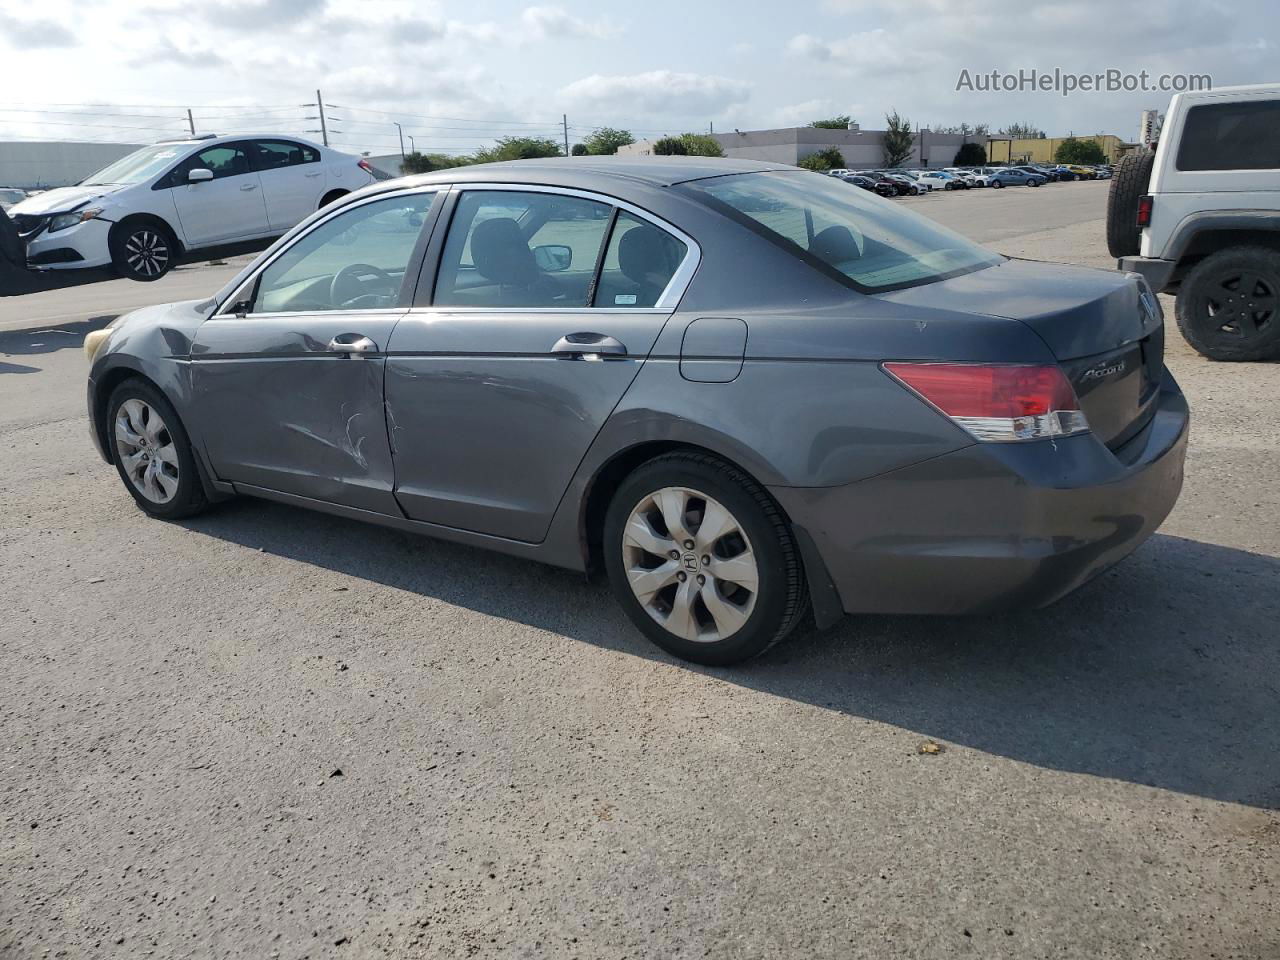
x=517, y=249
x=274, y=154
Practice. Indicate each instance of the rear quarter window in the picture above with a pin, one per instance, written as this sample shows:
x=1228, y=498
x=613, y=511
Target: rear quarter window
x=1231, y=136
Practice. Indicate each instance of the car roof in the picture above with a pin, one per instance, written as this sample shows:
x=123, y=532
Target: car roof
x=584, y=172
x=209, y=139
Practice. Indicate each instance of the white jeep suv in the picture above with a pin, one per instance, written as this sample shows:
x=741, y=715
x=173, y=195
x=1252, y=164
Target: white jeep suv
x=1200, y=217
x=145, y=210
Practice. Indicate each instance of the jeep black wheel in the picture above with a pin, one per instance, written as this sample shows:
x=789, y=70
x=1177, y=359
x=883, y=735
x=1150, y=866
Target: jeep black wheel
x=1229, y=305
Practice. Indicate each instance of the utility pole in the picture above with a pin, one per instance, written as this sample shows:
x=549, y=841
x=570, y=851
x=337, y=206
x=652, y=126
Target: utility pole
x=412, y=146
x=324, y=130
x=191, y=122
x=564, y=119
x=400, y=130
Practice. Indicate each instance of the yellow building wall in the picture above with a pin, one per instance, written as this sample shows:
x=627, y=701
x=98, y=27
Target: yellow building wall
x=1042, y=151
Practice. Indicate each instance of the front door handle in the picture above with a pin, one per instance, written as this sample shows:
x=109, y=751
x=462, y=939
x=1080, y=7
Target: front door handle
x=589, y=346
x=352, y=344
x=248, y=186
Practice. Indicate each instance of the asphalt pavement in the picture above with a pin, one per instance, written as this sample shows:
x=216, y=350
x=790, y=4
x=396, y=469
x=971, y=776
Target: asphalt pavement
x=269, y=733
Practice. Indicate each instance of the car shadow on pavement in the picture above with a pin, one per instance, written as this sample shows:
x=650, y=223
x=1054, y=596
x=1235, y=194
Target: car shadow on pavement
x=1164, y=672
x=51, y=338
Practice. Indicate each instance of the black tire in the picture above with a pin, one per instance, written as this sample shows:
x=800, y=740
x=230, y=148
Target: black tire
x=1241, y=285
x=782, y=597
x=143, y=249
x=1130, y=182
x=189, y=497
x=998, y=184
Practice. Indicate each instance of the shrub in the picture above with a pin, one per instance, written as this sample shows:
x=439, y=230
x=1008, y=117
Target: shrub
x=670, y=147
x=970, y=155
x=823, y=160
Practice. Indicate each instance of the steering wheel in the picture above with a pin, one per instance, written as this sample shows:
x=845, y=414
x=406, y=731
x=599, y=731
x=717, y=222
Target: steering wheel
x=347, y=285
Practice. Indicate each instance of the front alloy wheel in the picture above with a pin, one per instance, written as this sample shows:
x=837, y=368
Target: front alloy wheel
x=144, y=252
x=152, y=452
x=146, y=451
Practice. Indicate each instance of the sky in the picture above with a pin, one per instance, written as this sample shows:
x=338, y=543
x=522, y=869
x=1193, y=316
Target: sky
x=456, y=75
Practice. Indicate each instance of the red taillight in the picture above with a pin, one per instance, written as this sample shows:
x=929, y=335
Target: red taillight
x=1144, y=210
x=997, y=401
x=364, y=165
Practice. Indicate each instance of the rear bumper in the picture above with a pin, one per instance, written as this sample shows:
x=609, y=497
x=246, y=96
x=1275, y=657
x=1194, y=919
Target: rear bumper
x=995, y=526
x=1157, y=272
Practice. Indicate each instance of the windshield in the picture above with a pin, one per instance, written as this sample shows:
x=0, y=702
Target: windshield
x=136, y=167
x=871, y=243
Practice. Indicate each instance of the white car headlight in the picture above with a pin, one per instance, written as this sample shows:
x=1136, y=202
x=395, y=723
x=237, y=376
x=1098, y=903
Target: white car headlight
x=63, y=220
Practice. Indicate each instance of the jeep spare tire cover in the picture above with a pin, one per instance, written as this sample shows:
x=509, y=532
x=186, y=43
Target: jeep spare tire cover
x=1131, y=180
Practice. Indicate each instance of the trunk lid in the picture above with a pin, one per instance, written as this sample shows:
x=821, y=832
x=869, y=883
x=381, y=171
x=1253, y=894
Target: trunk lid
x=1104, y=328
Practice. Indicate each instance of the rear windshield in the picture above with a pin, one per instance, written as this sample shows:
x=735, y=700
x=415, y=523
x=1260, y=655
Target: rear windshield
x=869, y=243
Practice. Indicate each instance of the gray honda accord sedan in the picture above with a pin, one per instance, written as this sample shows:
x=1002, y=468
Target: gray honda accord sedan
x=740, y=391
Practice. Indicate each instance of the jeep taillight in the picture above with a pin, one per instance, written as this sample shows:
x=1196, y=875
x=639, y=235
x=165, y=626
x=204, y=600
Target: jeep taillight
x=365, y=166
x=1144, y=210
x=997, y=402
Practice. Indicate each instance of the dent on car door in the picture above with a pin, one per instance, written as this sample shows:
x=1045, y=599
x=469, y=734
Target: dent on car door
x=545, y=305
x=288, y=378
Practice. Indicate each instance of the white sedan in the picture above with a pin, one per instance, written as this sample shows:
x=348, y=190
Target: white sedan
x=141, y=212
x=939, y=180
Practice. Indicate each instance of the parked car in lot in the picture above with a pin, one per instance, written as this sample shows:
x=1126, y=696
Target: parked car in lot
x=9, y=196
x=142, y=212
x=884, y=188
x=1200, y=218
x=1012, y=177
x=474, y=354
x=1081, y=171
x=941, y=180
x=907, y=185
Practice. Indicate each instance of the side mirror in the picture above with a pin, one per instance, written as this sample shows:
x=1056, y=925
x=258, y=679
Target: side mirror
x=553, y=257
x=199, y=175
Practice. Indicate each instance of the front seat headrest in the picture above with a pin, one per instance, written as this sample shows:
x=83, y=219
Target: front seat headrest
x=501, y=253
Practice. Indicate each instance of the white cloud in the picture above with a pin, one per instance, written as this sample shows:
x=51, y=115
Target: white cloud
x=35, y=34
x=658, y=91
x=558, y=22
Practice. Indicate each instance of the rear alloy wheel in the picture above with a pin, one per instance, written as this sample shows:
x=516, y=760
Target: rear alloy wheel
x=1228, y=306
x=702, y=561
x=152, y=453
x=143, y=251
x=997, y=183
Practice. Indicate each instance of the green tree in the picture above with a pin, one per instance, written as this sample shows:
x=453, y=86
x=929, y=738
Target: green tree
x=426, y=162
x=823, y=160
x=579, y=150
x=701, y=145
x=833, y=123
x=670, y=147
x=606, y=140
x=519, y=148
x=1022, y=131
x=1072, y=150
x=970, y=155
x=898, y=139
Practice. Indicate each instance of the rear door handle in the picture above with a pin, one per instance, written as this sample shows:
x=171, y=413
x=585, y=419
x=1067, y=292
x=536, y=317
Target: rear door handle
x=589, y=346
x=311, y=174
x=352, y=344
x=248, y=186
